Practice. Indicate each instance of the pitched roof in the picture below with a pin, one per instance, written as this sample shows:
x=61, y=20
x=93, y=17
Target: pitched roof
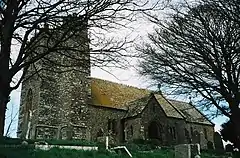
x=110, y=94
x=169, y=110
x=190, y=112
x=136, y=107
x=114, y=95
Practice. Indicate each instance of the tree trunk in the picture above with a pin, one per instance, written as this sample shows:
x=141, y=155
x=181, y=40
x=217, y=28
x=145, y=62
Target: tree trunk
x=5, y=75
x=3, y=104
x=5, y=80
x=235, y=119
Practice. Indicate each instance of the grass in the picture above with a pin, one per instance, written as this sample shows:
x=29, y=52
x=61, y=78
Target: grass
x=30, y=152
x=18, y=141
x=16, y=150
x=65, y=153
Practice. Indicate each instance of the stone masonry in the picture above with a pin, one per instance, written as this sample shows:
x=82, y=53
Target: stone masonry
x=53, y=102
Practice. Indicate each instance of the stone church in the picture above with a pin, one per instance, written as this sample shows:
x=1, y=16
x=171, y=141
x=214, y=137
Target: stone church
x=73, y=105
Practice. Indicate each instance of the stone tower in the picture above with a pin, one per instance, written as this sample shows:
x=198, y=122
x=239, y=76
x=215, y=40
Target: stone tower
x=54, y=101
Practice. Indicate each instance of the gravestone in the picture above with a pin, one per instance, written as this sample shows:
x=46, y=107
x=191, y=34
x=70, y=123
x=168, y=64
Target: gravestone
x=195, y=150
x=210, y=145
x=229, y=148
x=218, y=142
x=187, y=150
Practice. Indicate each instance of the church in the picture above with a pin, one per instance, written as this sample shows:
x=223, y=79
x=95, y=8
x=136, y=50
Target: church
x=73, y=105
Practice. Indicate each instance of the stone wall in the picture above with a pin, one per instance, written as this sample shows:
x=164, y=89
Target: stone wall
x=29, y=106
x=170, y=129
x=106, y=122
x=204, y=133
x=133, y=129
x=60, y=95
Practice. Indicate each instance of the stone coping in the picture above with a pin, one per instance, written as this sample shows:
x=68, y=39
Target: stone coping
x=48, y=147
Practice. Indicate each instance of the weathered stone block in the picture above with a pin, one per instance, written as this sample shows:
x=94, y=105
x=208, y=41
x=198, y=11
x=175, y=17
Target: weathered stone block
x=182, y=151
x=187, y=150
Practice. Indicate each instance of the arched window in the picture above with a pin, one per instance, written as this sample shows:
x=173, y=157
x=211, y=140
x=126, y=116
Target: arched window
x=131, y=130
x=187, y=135
x=205, y=134
x=100, y=133
x=27, y=113
x=28, y=104
x=191, y=132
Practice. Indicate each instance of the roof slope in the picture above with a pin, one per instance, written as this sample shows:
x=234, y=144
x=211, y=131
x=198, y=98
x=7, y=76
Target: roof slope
x=136, y=107
x=169, y=110
x=190, y=112
x=109, y=94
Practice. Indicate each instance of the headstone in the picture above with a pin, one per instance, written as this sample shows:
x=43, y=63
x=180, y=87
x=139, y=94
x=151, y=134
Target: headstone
x=106, y=142
x=197, y=156
x=187, y=151
x=24, y=142
x=218, y=142
x=210, y=145
x=229, y=148
x=182, y=151
x=195, y=150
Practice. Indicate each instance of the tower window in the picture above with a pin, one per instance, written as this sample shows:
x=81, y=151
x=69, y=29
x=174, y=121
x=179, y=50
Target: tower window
x=131, y=130
x=191, y=131
x=112, y=125
x=205, y=133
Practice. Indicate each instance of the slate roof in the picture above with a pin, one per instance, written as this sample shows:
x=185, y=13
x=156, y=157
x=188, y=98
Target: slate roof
x=169, y=110
x=191, y=113
x=136, y=107
x=114, y=95
x=110, y=94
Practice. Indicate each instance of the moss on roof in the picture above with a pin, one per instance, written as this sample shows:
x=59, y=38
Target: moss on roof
x=110, y=94
x=136, y=107
x=191, y=113
x=119, y=96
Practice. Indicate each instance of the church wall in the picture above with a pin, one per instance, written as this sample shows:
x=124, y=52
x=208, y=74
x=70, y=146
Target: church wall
x=105, y=122
x=206, y=133
x=133, y=129
x=153, y=112
x=27, y=121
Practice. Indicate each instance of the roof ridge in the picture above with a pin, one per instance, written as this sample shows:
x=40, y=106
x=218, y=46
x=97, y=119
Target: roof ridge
x=164, y=109
x=145, y=89
x=174, y=107
x=106, y=106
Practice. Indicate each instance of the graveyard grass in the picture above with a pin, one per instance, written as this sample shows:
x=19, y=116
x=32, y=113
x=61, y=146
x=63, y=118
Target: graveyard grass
x=63, y=153
x=28, y=151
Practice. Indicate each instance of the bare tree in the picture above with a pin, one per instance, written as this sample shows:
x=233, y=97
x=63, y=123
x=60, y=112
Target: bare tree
x=196, y=52
x=26, y=23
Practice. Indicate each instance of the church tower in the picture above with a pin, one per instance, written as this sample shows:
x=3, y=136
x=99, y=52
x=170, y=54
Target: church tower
x=54, y=101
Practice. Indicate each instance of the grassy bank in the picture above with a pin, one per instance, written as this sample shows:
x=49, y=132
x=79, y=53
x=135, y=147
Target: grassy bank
x=26, y=152
x=12, y=148
x=64, y=153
